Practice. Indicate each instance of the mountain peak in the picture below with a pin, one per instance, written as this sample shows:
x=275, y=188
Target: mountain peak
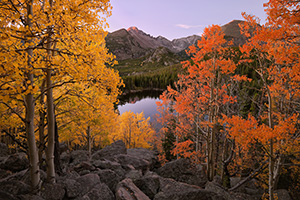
x=133, y=28
x=233, y=32
x=232, y=28
x=135, y=43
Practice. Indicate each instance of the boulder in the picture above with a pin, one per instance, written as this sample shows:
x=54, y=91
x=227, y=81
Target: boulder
x=149, y=184
x=170, y=189
x=4, y=173
x=234, y=181
x=71, y=175
x=112, y=165
x=110, y=151
x=87, y=183
x=248, y=188
x=78, y=156
x=3, y=150
x=106, y=164
x=283, y=194
x=30, y=197
x=2, y=159
x=183, y=170
x=109, y=177
x=6, y=196
x=145, y=154
x=63, y=147
x=72, y=188
x=219, y=189
x=15, y=162
x=127, y=190
x=84, y=166
x=86, y=187
x=134, y=174
x=215, y=187
x=127, y=160
x=53, y=191
x=65, y=159
x=15, y=187
x=24, y=176
x=100, y=192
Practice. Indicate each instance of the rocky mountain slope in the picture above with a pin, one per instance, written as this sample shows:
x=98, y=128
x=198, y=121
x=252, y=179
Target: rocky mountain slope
x=134, y=43
x=232, y=32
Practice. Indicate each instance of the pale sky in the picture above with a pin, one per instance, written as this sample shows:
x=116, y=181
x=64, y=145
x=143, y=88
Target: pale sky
x=177, y=18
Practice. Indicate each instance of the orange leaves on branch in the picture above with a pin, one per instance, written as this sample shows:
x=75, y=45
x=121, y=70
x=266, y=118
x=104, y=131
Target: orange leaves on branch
x=191, y=110
x=184, y=149
x=250, y=131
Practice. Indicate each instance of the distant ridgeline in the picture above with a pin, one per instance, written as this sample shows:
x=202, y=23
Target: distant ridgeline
x=154, y=62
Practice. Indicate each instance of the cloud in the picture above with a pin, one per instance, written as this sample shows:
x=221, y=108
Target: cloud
x=185, y=26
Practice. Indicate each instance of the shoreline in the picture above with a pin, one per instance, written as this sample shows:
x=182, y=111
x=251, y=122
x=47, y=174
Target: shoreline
x=127, y=92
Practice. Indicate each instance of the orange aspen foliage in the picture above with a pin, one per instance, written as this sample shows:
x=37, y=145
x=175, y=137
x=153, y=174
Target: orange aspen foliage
x=272, y=50
x=199, y=96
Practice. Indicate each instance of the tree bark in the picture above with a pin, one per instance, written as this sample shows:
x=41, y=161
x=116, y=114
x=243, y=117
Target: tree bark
x=50, y=113
x=277, y=169
x=251, y=176
x=89, y=146
x=29, y=117
x=271, y=153
x=57, y=151
x=51, y=127
x=42, y=125
x=271, y=172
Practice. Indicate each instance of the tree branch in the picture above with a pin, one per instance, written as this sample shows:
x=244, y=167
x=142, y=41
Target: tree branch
x=251, y=176
x=13, y=110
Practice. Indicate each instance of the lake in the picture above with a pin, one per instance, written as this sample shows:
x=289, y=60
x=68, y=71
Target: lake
x=137, y=102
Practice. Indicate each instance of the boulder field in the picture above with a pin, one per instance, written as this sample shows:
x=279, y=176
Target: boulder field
x=117, y=173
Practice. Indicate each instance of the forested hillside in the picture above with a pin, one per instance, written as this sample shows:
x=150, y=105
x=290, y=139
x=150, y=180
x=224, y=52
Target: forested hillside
x=230, y=107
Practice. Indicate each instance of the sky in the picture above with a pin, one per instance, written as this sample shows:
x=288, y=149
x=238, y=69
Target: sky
x=177, y=18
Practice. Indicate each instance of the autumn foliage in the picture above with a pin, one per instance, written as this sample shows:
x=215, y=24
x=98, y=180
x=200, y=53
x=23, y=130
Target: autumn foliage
x=233, y=110
x=49, y=52
x=134, y=129
x=205, y=111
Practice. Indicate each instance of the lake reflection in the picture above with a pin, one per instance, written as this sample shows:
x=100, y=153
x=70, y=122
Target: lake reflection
x=144, y=101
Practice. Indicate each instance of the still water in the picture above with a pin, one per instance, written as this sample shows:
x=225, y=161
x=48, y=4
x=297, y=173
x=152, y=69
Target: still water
x=144, y=101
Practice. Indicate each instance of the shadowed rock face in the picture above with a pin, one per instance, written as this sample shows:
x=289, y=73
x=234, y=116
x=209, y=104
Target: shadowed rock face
x=182, y=170
x=15, y=162
x=108, y=152
x=115, y=172
x=170, y=189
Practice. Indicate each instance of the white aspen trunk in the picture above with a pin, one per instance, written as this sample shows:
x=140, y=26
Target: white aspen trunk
x=223, y=160
x=271, y=153
x=42, y=124
x=211, y=131
x=271, y=172
x=277, y=168
x=50, y=115
x=29, y=117
x=51, y=131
